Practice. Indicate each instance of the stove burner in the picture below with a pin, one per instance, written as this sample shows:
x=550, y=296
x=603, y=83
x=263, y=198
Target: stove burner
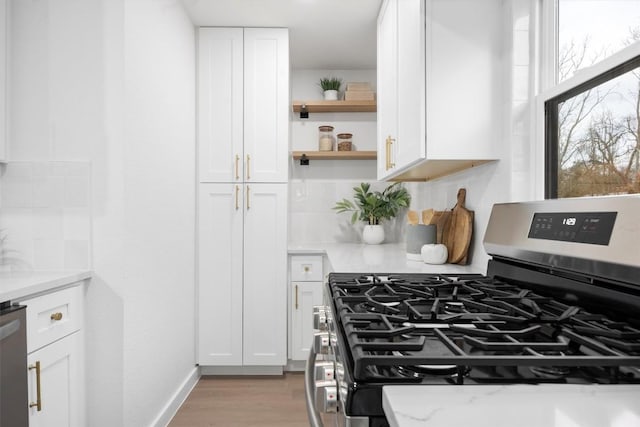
x=550, y=372
x=453, y=307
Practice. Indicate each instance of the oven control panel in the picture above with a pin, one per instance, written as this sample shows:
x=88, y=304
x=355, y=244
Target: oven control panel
x=593, y=228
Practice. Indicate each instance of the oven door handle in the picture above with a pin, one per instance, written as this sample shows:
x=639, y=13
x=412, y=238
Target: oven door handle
x=309, y=384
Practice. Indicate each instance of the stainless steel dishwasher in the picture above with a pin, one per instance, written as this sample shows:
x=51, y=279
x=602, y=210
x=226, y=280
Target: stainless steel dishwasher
x=13, y=366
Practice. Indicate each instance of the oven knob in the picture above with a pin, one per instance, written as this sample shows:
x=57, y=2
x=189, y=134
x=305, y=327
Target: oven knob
x=325, y=371
x=326, y=396
x=321, y=342
x=320, y=318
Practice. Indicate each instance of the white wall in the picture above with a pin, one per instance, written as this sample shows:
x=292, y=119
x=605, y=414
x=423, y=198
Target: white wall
x=113, y=83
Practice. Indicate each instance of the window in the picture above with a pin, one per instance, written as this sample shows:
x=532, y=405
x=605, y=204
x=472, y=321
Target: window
x=592, y=128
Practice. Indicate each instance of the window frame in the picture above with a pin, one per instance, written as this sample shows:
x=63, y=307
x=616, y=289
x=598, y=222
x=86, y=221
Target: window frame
x=548, y=100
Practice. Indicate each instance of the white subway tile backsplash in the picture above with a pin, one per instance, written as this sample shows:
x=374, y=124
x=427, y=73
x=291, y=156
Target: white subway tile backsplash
x=48, y=254
x=76, y=254
x=45, y=214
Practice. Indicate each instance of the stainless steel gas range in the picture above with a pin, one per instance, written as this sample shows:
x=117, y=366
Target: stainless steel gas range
x=560, y=304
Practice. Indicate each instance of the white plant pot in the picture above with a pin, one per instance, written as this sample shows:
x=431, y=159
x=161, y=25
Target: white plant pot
x=330, y=95
x=373, y=234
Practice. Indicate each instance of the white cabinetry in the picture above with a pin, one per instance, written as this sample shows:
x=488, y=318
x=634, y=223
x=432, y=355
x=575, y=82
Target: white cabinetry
x=243, y=139
x=306, y=291
x=439, y=86
x=56, y=359
x=4, y=104
x=242, y=274
x=243, y=98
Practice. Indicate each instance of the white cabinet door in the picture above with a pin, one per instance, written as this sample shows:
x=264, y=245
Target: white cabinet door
x=265, y=274
x=4, y=28
x=401, y=85
x=304, y=295
x=410, y=145
x=61, y=384
x=220, y=105
x=243, y=104
x=266, y=104
x=387, y=86
x=220, y=216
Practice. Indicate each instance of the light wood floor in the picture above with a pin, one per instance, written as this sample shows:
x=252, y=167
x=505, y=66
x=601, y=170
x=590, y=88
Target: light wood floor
x=245, y=401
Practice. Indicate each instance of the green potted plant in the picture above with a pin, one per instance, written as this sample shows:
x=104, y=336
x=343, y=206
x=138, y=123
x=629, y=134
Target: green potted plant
x=330, y=86
x=374, y=207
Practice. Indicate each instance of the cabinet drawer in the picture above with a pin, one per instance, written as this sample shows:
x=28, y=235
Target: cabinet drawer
x=306, y=268
x=53, y=316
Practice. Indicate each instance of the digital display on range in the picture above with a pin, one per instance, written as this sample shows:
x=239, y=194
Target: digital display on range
x=583, y=227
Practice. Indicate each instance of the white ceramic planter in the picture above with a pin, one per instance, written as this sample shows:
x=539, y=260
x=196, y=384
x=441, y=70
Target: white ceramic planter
x=330, y=95
x=373, y=234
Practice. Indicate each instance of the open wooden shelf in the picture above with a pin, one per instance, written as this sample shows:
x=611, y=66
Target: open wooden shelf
x=336, y=155
x=320, y=106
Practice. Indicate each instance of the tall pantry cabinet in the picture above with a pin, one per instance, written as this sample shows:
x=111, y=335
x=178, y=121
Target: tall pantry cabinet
x=243, y=119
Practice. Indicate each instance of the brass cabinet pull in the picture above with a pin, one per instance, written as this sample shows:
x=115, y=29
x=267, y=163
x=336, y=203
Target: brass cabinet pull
x=306, y=269
x=237, y=174
x=248, y=167
x=38, y=402
x=296, y=297
x=389, y=141
x=248, y=199
x=56, y=316
x=237, y=191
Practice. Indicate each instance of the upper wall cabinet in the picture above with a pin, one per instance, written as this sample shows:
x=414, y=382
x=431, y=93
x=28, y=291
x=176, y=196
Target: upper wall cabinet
x=4, y=29
x=243, y=98
x=439, y=87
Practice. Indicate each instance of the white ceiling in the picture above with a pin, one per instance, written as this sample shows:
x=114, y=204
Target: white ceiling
x=323, y=34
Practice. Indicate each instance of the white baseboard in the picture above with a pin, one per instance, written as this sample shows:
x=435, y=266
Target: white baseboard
x=177, y=399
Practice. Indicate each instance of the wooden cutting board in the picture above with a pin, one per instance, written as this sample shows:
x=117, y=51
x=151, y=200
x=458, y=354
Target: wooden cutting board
x=458, y=230
x=439, y=219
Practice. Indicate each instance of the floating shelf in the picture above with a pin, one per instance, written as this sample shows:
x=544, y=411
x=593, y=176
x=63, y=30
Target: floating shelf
x=335, y=155
x=334, y=106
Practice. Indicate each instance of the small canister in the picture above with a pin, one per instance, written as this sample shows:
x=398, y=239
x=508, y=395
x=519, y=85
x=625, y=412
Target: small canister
x=326, y=139
x=344, y=142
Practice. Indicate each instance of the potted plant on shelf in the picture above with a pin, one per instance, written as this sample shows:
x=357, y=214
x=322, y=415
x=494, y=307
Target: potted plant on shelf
x=330, y=86
x=374, y=207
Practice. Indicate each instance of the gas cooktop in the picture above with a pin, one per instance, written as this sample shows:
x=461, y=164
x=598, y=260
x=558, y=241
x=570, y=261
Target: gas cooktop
x=417, y=328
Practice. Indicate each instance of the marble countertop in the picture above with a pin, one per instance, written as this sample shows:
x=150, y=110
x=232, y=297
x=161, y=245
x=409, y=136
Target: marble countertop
x=15, y=286
x=384, y=258
x=548, y=405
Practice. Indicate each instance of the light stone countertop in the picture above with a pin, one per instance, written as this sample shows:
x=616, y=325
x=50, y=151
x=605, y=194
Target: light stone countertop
x=548, y=405
x=15, y=286
x=384, y=258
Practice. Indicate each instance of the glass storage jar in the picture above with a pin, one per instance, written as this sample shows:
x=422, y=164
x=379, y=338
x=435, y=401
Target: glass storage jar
x=326, y=139
x=344, y=142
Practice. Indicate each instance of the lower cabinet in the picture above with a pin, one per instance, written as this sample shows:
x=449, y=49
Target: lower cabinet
x=306, y=274
x=55, y=358
x=242, y=274
x=304, y=296
x=56, y=384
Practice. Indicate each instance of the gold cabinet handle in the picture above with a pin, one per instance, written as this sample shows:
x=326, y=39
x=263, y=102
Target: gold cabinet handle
x=248, y=199
x=389, y=141
x=296, y=297
x=38, y=402
x=248, y=167
x=306, y=268
x=237, y=192
x=237, y=173
x=56, y=316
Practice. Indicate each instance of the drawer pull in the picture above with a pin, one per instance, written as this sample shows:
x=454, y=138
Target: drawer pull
x=38, y=402
x=56, y=316
x=306, y=269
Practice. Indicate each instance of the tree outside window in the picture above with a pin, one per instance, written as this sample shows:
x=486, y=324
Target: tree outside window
x=596, y=133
